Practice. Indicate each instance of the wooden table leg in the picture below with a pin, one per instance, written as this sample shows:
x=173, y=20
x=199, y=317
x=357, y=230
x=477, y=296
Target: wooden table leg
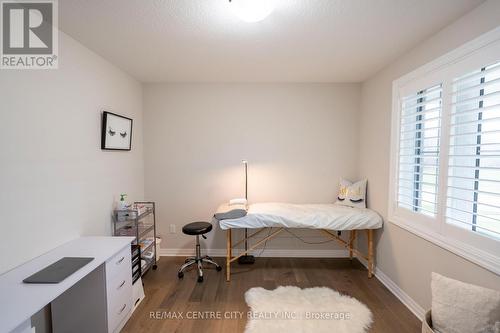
x=228, y=255
x=351, y=241
x=370, y=252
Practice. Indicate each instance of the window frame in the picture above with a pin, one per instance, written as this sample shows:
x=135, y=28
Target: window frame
x=476, y=248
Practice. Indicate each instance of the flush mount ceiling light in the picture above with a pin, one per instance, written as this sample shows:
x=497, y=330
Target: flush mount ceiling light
x=252, y=10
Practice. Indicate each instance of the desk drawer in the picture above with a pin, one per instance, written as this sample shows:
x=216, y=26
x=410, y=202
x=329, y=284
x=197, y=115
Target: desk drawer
x=119, y=308
x=119, y=264
x=118, y=289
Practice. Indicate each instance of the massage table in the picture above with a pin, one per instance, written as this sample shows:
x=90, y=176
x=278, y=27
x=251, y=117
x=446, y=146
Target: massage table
x=325, y=217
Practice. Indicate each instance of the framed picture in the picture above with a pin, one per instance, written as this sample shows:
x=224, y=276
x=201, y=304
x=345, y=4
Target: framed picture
x=116, y=132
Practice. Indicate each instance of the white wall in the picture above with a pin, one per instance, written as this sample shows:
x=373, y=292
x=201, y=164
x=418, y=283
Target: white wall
x=407, y=259
x=56, y=183
x=298, y=138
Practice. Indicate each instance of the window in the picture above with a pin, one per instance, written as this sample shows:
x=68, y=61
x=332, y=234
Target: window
x=473, y=199
x=419, y=151
x=445, y=151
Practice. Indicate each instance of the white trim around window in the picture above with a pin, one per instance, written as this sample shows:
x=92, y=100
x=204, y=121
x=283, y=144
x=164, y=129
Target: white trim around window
x=425, y=205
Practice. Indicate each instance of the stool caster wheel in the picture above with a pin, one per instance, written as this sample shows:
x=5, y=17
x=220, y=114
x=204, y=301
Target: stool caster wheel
x=200, y=279
x=155, y=267
x=180, y=275
x=218, y=268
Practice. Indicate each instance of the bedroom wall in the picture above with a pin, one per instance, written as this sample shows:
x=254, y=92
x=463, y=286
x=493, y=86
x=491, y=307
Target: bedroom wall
x=407, y=259
x=298, y=138
x=56, y=183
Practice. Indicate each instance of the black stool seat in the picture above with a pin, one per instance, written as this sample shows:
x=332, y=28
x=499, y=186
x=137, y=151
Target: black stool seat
x=197, y=228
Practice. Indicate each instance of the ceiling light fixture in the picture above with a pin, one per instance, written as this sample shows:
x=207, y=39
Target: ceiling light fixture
x=252, y=10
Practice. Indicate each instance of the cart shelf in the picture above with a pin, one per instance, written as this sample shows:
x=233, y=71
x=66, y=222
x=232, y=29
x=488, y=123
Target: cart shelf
x=140, y=223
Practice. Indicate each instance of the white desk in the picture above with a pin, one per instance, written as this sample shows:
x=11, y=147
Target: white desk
x=19, y=301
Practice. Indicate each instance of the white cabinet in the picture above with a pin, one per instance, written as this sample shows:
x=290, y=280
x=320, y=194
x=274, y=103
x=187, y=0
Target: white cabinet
x=119, y=289
x=96, y=298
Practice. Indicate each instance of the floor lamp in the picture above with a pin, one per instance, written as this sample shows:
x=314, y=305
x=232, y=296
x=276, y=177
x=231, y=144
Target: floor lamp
x=246, y=259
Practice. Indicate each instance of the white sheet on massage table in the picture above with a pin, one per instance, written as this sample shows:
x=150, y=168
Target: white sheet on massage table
x=312, y=216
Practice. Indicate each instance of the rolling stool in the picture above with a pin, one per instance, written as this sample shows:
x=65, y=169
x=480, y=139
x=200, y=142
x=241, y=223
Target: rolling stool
x=197, y=229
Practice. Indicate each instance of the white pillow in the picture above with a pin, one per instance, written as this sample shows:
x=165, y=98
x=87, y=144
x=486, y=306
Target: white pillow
x=459, y=307
x=352, y=194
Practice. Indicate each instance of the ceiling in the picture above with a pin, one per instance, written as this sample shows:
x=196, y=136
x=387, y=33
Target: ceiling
x=301, y=41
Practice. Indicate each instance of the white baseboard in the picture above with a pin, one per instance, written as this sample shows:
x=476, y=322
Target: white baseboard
x=409, y=302
x=267, y=253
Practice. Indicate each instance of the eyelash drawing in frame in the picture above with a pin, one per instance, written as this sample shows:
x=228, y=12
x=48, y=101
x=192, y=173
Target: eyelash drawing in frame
x=116, y=132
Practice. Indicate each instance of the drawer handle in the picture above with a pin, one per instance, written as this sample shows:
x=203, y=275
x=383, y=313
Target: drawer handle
x=120, y=261
x=121, y=285
x=123, y=308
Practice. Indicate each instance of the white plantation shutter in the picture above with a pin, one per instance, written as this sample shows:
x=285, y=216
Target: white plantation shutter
x=445, y=151
x=419, y=141
x=473, y=193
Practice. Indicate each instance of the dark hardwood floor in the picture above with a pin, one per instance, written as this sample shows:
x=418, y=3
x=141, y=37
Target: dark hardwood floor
x=168, y=297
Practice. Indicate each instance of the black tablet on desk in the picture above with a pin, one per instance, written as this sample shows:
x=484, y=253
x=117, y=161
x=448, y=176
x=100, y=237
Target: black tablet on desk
x=59, y=270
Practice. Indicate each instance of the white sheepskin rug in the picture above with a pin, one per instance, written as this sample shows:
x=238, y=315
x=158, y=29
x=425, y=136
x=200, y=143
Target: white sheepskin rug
x=291, y=309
